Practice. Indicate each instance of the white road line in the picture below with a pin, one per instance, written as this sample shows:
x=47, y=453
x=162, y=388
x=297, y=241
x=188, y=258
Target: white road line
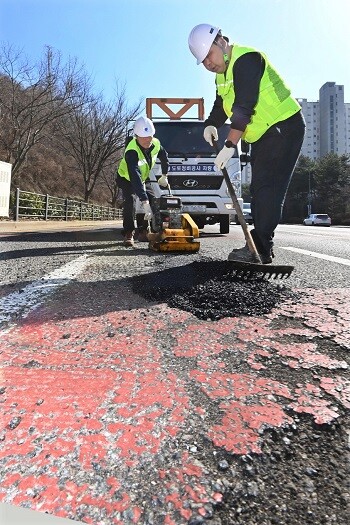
x=310, y=234
x=12, y=515
x=339, y=260
x=30, y=297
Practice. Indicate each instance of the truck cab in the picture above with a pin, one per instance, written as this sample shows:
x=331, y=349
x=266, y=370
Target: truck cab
x=193, y=175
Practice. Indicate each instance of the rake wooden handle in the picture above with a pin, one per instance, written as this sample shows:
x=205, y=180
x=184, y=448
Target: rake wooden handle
x=241, y=220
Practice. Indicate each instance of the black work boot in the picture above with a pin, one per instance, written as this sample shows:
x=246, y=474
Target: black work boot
x=242, y=255
x=129, y=239
x=266, y=256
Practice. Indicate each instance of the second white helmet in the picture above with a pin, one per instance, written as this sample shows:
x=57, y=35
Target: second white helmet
x=144, y=127
x=201, y=39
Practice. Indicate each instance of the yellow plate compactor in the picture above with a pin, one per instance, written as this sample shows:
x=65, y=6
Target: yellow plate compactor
x=176, y=231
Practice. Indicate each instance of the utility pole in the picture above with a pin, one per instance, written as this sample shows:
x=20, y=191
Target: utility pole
x=309, y=196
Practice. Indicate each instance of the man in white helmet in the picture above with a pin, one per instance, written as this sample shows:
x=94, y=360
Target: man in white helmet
x=262, y=112
x=139, y=158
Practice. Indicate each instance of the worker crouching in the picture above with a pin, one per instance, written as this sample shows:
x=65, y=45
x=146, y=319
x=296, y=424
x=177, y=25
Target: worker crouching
x=133, y=172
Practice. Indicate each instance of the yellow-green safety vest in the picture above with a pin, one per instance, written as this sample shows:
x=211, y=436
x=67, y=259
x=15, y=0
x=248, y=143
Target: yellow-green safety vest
x=275, y=102
x=143, y=165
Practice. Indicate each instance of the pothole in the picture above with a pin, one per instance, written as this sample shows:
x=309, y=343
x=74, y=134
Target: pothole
x=210, y=290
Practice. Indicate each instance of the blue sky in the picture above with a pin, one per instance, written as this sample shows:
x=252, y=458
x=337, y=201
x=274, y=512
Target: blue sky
x=143, y=43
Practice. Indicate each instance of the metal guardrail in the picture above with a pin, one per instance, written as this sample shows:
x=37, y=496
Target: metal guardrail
x=31, y=205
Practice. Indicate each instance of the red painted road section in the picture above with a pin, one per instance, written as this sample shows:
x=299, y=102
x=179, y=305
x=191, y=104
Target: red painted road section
x=89, y=403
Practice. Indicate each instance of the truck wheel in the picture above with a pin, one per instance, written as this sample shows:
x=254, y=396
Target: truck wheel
x=224, y=224
x=200, y=222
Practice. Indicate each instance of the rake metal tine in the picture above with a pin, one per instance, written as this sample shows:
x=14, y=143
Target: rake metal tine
x=260, y=272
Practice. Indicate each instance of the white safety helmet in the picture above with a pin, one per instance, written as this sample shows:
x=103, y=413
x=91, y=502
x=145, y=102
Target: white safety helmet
x=201, y=39
x=144, y=127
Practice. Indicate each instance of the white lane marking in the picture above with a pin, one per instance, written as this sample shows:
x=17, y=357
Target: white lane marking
x=30, y=297
x=312, y=234
x=331, y=258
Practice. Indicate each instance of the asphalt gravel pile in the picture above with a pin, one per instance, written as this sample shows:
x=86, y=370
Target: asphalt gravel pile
x=210, y=290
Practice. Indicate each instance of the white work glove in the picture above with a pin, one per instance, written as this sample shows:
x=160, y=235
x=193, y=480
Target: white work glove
x=163, y=181
x=147, y=210
x=223, y=157
x=210, y=133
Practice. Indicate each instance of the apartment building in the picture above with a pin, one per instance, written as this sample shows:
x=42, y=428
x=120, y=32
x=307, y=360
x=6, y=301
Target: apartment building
x=327, y=123
x=311, y=144
x=347, y=126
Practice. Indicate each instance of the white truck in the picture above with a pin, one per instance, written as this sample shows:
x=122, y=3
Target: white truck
x=192, y=174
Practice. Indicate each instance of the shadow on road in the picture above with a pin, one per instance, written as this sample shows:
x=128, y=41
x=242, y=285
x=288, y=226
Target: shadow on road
x=107, y=234
x=204, y=288
x=73, y=242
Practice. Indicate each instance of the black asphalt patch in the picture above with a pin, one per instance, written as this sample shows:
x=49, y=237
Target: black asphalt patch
x=210, y=290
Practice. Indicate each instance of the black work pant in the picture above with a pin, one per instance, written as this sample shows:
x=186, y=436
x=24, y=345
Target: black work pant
x=129, y=205
x=273, y=159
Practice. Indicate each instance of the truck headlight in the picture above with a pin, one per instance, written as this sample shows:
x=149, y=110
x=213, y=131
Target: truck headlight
x=229, y=206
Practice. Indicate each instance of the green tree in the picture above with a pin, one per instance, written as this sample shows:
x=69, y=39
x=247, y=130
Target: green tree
x=301, y=191
x=246, y=196
x=332, y=181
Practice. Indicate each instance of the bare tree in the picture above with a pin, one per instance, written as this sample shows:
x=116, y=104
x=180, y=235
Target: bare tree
x=94, y=136
x=109, y=179
x=32, y=98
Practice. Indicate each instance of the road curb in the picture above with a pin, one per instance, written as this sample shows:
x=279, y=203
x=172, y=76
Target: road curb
x=35, y=226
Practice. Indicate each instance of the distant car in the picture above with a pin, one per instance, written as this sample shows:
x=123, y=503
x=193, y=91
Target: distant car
x=247, y=214
x=318, y=219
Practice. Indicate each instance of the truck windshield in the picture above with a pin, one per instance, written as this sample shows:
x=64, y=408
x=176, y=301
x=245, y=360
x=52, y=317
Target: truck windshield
x=185, y=139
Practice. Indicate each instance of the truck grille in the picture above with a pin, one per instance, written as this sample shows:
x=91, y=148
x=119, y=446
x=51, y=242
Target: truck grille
x=194, y=203
x=195, y=182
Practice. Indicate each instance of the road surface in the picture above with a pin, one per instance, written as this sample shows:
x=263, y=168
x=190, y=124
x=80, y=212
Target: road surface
x=118, y=409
